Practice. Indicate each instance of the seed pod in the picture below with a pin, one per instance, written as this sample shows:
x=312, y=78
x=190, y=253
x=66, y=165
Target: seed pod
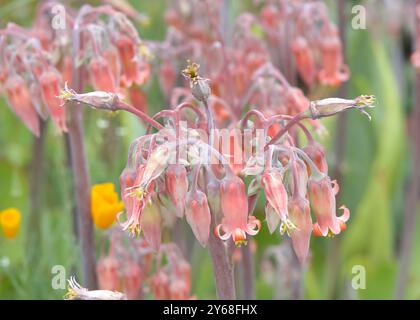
x=201, y=89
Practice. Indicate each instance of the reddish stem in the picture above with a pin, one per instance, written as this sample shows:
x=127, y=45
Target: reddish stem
x=81, y=178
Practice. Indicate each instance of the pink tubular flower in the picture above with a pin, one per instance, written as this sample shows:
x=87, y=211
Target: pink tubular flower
x=275, y=192
x=19, y=99
x=127, y=52
x=316, y=153
x=305, y=62
x=50, y=87
x=300, y=216
x=101, y=75
x=272, y=217
x=167, y=77
x=159, y=285
x=234, y=203
x=179, y=290
x=133, y=280
x=176, y=182
x=150, y=222
x=322, y=193
x=198, y=215
x=107, y=270
x=334, y=72
x=138, y=98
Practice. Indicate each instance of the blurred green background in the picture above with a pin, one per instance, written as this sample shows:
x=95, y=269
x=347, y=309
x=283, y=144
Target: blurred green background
x=375, y=170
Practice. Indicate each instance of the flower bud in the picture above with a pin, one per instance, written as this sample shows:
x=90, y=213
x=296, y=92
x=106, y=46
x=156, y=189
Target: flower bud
x=198, y=215
x=304, y=59
x=20, y=101
x=176, y=182
x=316, y=153
x=96, y=99
x=50, y=88
x=275, y=192
x=272, y=217
x=101, y=75
x=331, y=106
x=150, y=222
x=300, y=215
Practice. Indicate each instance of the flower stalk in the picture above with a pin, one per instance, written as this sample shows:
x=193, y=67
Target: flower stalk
x=81, y=178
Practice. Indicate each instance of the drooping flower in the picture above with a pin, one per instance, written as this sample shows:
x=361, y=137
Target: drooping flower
x=198, y=216
x=50, y=81
x=133, y=280
x=138, y=98
x=159, y=285
x=127, y=53
x=305, y=62
x=104, y=205
x=150, y=224
x=272, y=217
x=176, y=182
x=234, y=202
x=316, y=153
x=107, y=271
x=322, y=193
x=275, y=191
x=10, y=222
x=101, y=75
x=334, y=72
x=19, y=98
x=300, y=215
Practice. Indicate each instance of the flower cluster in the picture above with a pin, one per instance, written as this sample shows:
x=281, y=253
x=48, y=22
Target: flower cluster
x=312, y=38
x=29, y=79
x=131, y=267
x=197, y=170
x=36, y=63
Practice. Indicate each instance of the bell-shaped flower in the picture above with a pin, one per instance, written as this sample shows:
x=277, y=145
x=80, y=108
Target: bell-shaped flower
x=322, y=194
x=150, y=223
x=107, y=271
x=275, y=192
x=20, y=101
x=132, y=280
x=176, y=182
x=234, y=203
x=304, y=59
x=316, y=153
x=198, y=215
x=334, y=72
x=50, y=82
x=300, y=215
x=127, y=53
x=101, y=75
x=341, y=221
x=159, y=285
x=272, y=217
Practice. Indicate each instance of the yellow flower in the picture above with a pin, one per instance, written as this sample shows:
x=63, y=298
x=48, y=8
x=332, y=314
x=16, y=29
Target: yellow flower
x=10, y=222
x=104, y=205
